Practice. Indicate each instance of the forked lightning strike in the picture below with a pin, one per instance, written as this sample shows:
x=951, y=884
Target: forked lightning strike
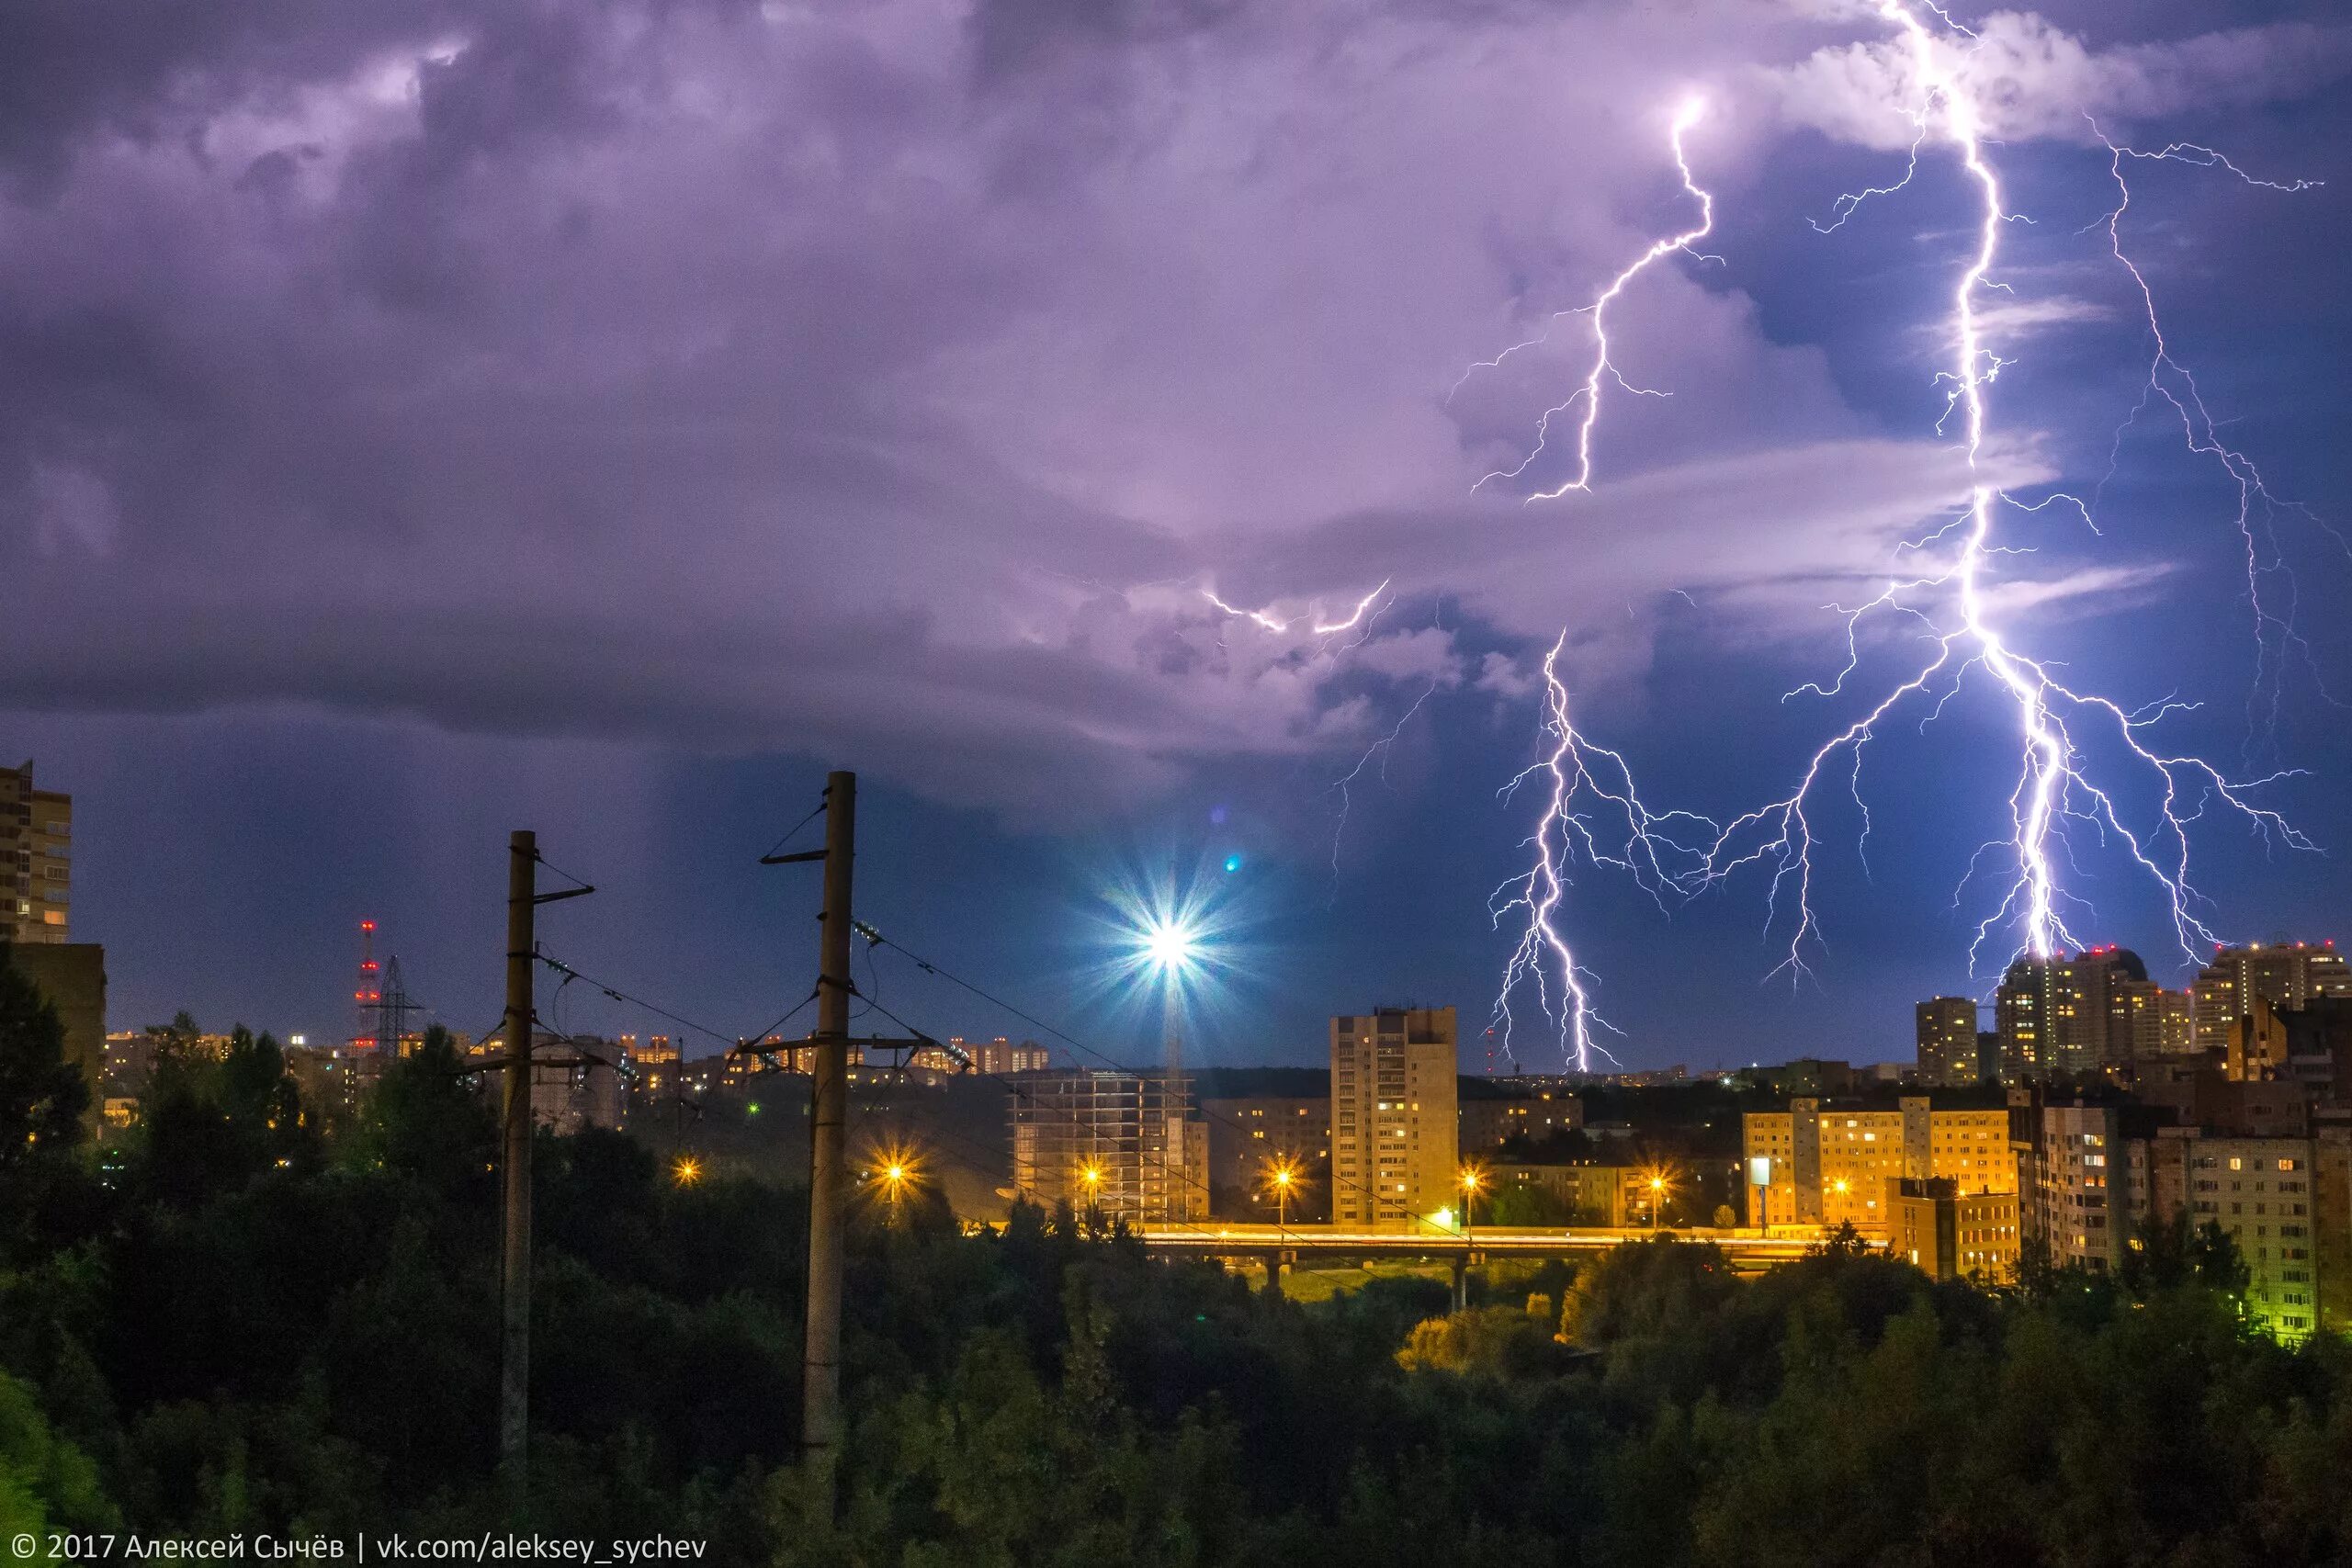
x=1679, y=854
x=1585, y=780
x=1586, y=399
x=2054, y=785
x=2275, y=634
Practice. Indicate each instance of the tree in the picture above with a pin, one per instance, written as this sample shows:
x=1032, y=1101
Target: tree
x=425, y=1122
x=45, y=1188
x=42, y=1095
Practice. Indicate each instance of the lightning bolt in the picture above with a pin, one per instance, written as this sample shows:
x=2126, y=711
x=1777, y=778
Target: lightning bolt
x=2056, y=785
x=1947, y=607
x=1586, y=399
x=2275, y=633
x=1280, y=626
x=1591, y=809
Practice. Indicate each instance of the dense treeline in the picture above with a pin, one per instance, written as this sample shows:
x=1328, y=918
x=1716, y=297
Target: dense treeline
x=236, y=1325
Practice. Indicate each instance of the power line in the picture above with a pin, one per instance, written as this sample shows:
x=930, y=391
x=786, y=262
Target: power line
x=814, y=812
x=617, y=994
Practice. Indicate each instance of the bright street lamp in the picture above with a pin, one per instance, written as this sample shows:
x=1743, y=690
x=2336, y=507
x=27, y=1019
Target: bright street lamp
x=1282, y=1175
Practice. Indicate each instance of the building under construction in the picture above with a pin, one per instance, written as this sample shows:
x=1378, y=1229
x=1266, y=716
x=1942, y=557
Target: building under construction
x=1123, y=1144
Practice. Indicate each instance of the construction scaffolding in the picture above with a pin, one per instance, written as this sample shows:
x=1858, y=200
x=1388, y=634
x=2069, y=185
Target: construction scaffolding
x=1123, y=1144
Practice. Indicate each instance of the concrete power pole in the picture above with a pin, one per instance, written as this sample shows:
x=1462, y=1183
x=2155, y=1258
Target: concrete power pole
x=820, y=1396
x=514, y=1258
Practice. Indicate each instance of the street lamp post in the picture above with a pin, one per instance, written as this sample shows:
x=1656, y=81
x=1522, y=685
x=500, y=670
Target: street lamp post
x=1469, y=1201
x=1658, y=1201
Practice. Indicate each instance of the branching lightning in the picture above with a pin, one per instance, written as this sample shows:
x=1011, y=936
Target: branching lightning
x=1320, y=627
x=1591, y=809
x=1586, y=399
x=2077, y=750
x=2275, y=631
x=2055, y=785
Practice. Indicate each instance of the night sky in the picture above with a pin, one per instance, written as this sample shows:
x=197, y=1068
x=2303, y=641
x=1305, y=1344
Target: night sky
x=423, y=420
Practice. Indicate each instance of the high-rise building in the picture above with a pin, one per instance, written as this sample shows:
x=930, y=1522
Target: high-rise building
x=1947, y=1041
x=2263, y=1194
x=1816, y=1166
x=999, y=1056
x=1395, y=1128
x=2096, y=1011
x=2088, y=1183
x=1123, y=1144
x=2024, y=1009
x=2285, y=975
x=36, y=859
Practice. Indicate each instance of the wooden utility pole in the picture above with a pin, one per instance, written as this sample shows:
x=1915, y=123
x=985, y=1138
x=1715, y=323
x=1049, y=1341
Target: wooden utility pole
x=523, y=901
x=515, y=1256
x=821, y=1388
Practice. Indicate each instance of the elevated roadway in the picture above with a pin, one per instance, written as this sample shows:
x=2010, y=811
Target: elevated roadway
x=1749, y=1251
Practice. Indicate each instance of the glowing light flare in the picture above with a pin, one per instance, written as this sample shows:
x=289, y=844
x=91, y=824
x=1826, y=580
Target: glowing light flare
x=1172, y=939
x=1172, y=946
x=1603, y=368
x=893, y=1169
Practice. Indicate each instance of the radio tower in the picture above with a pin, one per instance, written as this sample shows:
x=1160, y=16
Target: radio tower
x=392, y=1011
x=370, y=993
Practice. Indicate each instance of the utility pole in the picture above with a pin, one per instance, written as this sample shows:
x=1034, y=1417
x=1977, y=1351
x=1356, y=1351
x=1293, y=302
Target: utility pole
x=523, y=901
x=821, y=1387
x=514, y=1256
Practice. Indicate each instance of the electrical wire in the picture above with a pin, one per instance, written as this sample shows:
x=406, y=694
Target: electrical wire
x=814, y=812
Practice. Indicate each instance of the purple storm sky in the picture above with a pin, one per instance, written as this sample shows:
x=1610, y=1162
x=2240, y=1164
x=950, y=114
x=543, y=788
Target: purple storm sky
x=419, y=420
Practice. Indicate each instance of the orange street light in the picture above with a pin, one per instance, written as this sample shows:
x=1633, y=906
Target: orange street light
x=1472, y=1180
x=1659, y=1185
x=1282, y=1175
x=685, y=1170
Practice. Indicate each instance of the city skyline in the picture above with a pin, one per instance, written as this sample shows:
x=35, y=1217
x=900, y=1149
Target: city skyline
x=1068, y=995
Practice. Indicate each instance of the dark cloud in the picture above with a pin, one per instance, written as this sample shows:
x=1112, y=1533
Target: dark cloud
x=855, y=376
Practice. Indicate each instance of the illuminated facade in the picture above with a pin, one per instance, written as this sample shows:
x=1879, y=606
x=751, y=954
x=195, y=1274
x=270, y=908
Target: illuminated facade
x=654, y=1063
x=1947, y=1041
x=36, y=859
x=1395, y=1122
x=2265, y=1195
x=1811, y=1166
x=1000, y=1055
x=1951, y=1235
x=2285, y=975
x=2089, y=1180
x=2096, y=1011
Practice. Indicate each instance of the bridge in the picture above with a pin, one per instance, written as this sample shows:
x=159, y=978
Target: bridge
x=1749, y=1251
